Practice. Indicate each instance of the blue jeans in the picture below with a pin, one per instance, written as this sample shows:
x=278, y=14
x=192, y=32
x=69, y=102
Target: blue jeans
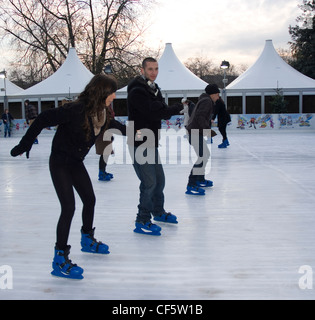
x=152, y=183
x=7, y=129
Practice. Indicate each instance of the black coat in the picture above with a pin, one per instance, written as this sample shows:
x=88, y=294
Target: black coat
x=220, y=111
x=146, y=108
x=7, y=116
x=69, y=143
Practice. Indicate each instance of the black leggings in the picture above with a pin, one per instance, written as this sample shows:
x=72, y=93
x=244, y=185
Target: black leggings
x=65, y=177
x=222, y=130
x=102, y=164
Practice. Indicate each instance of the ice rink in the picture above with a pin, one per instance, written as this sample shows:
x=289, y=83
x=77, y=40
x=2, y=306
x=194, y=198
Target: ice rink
x=248, y=238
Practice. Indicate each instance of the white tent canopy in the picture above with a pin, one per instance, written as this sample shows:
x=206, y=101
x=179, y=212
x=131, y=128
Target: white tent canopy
x=68, y=81
x=270, y=72
x=8, y=88
x=174, y=79
x=174, y=76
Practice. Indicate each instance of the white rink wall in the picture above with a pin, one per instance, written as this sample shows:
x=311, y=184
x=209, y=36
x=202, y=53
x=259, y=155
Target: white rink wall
x=240, y=122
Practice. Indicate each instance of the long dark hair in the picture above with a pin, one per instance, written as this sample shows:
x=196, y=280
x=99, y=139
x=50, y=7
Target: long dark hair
x=94, y=97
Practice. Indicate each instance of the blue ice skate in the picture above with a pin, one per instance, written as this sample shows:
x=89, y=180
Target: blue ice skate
x=148, y=228
x=91, y=245
x=110, y=175
x=166, y=217
x=195, y=190
x=104, y=176
x=205, y=183
x=63, y=267
x=224, y=144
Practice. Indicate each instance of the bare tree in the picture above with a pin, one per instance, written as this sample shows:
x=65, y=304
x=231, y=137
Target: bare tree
x=102, y=31
x=207, y=71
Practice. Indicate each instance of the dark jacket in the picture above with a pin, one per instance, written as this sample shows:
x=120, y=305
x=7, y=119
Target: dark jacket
x=220, y=111
x=101, y=143
x=7, y=118
x=69, y=144
x=191, y=107
x=30, y=112
x=201, y=116
x=146, y=108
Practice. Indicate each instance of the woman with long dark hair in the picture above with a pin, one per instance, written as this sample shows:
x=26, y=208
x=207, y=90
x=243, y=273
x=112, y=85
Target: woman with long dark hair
x=79, y=124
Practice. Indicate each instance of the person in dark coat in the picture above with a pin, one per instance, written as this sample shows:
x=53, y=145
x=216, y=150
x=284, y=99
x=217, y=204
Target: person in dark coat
x=79, y=124
x=30, y=115
x=7, y=121
x=223, y=119
x=199, y=125
x=146, y=109
x=104, y=147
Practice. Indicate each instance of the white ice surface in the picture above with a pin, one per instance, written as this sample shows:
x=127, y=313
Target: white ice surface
x=246, y=239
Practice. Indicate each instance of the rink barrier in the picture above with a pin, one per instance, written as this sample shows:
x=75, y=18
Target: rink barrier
x=239, y=122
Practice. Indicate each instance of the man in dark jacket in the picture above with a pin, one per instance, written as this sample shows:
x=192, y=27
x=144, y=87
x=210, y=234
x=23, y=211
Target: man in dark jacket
x=199, y=125
x=7, y=121
x=146, y=109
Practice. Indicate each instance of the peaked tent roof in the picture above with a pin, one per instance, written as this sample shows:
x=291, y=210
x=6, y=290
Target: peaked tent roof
x=174, y=78
x=270, y=71
x=173, y=75
x=71, y=78
x=11, y=88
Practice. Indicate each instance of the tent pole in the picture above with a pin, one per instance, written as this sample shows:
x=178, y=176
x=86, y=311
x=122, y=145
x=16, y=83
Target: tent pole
x=39, y=105
x=23, y=109
x=166, y=98
x=244, y=102
x=300, y=102
x=262, y=111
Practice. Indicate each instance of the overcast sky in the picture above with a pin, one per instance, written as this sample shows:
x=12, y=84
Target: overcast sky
x=233, y=30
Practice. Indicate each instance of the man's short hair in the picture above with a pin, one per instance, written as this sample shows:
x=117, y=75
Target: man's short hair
x=149, y=59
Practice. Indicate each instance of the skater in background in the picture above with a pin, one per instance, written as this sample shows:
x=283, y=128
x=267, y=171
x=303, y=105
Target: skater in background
x=7, y=122
x=198, y=126
x=185, y=111
x=79, y=124
x=103, y=147
x=30, y=115
x=223, y=119
x=146, y=110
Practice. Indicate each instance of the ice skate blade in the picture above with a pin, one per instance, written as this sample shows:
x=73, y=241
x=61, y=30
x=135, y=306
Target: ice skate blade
x=147, y=232
x=94, y=252
x=195, y=193
x=104, y=180
x=205, y=185
x=60, y=274
x=165, y=221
